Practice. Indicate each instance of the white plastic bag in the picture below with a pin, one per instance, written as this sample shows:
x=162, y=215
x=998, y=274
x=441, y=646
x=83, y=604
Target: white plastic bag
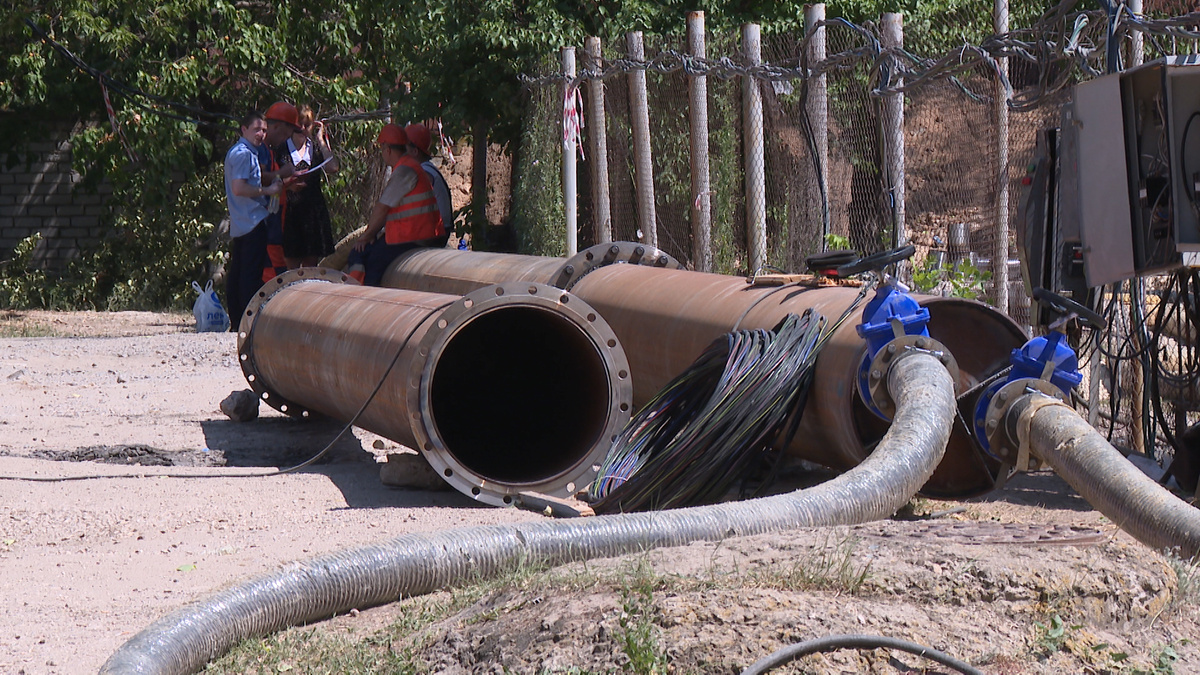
x=210, y=315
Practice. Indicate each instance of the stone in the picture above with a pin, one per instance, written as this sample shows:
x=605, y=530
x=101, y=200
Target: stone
x=410, y=470
x=241, y=406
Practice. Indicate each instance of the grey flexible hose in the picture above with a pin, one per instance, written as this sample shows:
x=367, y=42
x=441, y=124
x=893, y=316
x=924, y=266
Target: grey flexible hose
x=1108, y=481
x=416, y=564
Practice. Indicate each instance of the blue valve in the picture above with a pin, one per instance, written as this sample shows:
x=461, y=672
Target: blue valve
x=1047, y=358
x=892, y=313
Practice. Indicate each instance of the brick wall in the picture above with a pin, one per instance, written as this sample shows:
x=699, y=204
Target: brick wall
x=42, y=197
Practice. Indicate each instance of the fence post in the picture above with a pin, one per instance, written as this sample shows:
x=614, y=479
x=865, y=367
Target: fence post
x=752, y=128
x=1136, y=50
x=569, y=182
x=643, y=163
x=817, y=109
x=698, y=118
x=893, y=130
x=1003, y=95
x=599, y=142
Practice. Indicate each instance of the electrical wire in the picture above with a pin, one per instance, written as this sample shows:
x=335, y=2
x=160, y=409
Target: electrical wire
x=278, y=472
x=705, y=430
x=836, y=642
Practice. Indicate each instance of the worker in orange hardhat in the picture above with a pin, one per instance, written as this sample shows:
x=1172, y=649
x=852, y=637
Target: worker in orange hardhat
x=420, y=143
x=406, y=213
x=282, y=119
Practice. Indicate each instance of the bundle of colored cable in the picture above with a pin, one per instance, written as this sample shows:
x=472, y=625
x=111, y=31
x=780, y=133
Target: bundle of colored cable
x=711, y=425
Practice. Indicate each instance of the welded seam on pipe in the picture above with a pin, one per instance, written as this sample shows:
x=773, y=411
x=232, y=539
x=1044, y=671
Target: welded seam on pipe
x=421, y=563
x=1112, y=484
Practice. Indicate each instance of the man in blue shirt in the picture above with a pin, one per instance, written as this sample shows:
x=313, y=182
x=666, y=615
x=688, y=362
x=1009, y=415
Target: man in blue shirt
x=247, y=199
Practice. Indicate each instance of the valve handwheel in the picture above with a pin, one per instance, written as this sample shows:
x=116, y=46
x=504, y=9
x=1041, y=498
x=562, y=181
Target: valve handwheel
x=1066, y=307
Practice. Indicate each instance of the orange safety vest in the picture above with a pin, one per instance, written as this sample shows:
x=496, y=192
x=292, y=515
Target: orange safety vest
x=416, y=217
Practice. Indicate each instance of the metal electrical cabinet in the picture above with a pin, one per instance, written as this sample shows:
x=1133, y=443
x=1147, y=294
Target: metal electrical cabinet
x=1130, y=168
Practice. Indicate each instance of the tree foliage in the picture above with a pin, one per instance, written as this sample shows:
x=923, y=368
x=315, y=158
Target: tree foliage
x=457, y=60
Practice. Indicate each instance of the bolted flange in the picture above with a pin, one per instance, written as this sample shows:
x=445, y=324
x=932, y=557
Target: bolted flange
x=615, y=253
x=996, y=428
x=246, y=330
x=877, y=370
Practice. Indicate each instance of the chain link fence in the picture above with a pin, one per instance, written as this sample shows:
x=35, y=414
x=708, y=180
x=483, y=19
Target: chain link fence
x=827, y=177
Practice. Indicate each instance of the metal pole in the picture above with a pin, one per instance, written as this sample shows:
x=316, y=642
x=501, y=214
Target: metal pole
x=599, y=143
x=752, y=128
x=893, y=121
x=698, y=118
x=817, y=109
x=569, y=178
x=1136, y=49
x=643, y=164
x=1003, y=96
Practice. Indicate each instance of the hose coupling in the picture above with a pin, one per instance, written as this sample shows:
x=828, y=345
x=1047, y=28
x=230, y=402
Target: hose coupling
x=1045, y=369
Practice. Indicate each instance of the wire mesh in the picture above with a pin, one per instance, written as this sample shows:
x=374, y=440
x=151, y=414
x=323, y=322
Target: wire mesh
x=1142, y=375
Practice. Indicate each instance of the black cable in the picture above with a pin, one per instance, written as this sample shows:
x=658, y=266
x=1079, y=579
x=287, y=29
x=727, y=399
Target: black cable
x=707, y=428
x=836, y=642
x=277, y=472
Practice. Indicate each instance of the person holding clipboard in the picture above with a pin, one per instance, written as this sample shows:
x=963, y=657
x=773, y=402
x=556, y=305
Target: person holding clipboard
x=307, y=229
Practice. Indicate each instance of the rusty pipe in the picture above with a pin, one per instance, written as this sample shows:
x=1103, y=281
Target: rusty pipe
x=665, y=318
x=514, y=387
x=460, y=272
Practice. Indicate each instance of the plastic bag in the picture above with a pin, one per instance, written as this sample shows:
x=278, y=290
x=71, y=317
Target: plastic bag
x=210, y=315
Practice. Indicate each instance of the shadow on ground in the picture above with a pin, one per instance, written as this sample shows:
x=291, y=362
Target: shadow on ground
x=284, y=442
x=1040, y=488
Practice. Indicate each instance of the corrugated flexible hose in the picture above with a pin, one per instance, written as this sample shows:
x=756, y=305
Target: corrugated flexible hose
x=416, y=564
x=1108, y=481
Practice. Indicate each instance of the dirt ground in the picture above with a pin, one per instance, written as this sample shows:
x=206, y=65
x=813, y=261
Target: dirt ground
x=1028, y=579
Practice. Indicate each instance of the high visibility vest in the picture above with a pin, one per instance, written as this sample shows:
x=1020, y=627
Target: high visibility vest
x=416, y=217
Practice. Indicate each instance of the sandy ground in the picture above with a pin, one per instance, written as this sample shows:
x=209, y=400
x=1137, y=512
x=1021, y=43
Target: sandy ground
x=86, y=564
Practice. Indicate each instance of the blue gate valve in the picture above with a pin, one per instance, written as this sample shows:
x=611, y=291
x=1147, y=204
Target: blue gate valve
x=1041, y=360
x=891, y=314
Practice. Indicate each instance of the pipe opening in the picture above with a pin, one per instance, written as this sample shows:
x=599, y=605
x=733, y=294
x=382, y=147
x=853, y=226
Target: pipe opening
x=520, y=394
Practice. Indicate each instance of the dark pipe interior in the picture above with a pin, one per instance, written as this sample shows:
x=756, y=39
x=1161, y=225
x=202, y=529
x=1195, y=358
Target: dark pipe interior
x=520, y=395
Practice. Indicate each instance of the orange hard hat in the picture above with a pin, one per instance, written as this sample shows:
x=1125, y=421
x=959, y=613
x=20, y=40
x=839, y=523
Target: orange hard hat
x=282, y=111
x=418, y=135
x=392, y=134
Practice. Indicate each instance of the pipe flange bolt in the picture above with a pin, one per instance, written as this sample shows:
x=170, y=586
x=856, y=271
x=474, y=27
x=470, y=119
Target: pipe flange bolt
x=1002, y=443
x=879, y=367
x=246, y=330
x=614, y=253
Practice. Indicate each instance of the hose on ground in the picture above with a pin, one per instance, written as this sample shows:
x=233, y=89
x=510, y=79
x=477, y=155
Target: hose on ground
x=835, y=642
x=416, y=564
x=1108, y=481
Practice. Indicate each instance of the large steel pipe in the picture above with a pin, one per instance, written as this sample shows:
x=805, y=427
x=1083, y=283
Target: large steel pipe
x=459, y=272
x=665, y=318
x=514, y=387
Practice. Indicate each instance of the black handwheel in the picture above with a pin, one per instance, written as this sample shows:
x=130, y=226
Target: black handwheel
x=1066, y=306
x=876, y=261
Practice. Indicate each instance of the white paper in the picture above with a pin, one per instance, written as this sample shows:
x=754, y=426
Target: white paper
x=313, y=168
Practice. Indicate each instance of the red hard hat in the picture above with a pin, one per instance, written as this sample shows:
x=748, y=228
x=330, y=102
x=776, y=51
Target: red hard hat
x=392, y=135
x=418, y=135
x=282, y=111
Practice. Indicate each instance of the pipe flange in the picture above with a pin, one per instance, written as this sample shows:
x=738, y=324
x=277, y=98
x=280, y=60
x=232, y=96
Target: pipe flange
x=877, y=370
x=1001, y=442
x=615, y=253
x=246, y=331
x=430, y=443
